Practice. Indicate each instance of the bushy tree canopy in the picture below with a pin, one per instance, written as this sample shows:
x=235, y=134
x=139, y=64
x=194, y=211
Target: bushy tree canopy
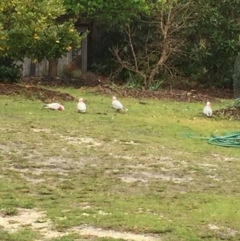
x=30, y=28
x=112, y=11
x=213, y=42
x=211, y=39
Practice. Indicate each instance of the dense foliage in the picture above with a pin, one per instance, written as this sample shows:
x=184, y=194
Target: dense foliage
x=10, y=70
x=114, y=12
x=211, y=43
x=30, y=28
x=161, y=37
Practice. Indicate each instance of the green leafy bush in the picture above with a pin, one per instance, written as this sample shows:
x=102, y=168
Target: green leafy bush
x=10, y=71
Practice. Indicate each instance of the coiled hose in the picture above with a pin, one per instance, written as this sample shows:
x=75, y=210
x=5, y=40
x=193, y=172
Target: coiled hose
x=228, y=140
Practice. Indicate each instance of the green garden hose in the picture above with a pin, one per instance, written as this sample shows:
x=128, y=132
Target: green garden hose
x=229, y=140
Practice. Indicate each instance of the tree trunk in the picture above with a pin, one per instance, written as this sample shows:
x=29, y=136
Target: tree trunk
x=236, y=78
x=52, y=67
x=160, y=62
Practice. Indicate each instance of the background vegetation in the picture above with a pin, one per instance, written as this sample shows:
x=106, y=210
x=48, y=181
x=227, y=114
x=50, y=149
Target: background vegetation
x=206, y=34
x=142, y=42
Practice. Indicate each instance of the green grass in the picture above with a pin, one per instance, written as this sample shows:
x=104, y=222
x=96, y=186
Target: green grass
x=23, y=235
x=133, y=172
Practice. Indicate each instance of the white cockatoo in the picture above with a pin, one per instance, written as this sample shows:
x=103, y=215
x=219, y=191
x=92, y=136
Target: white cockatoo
x=207, y=109
x=54, y=106
x=116, y=104
x=81, y=106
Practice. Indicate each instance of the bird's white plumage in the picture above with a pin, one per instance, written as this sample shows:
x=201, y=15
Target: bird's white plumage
x=81, y=106
x=207, y=110
x=116, y=104
x=54, y=106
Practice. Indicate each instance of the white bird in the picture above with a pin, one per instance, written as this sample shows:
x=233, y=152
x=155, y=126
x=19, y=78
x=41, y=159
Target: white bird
x=54, y=106
x=207, y=109
x=81, y=106
x=116, y=104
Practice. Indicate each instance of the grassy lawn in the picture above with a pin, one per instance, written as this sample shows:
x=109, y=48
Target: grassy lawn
x=116, y=176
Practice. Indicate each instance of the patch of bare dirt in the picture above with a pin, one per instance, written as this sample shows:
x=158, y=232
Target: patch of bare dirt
x=36, y=92
x=144, y=177
x=199, y=95
x=87, y=79
x=31, y=218
x=98, y=232
x=41, y=130
x=223, y=233
x=30, y=86
x=89, y=142
x=54, y=164
x=36, y=220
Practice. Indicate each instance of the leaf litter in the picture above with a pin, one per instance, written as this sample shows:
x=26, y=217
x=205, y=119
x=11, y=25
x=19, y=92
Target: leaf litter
x=30, y=88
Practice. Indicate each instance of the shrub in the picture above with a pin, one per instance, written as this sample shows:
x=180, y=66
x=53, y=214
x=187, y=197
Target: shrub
x=10, y=71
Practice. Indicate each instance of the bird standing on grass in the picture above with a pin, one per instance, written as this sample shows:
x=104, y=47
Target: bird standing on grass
x=81, y=106
x=207, y=110
x=116, y=104
x=54, y=106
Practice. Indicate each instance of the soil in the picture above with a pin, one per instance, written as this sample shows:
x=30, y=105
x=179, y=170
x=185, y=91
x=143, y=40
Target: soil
x=36, y=220
x=34, y=92
x=34, y=88
x=193, y=95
